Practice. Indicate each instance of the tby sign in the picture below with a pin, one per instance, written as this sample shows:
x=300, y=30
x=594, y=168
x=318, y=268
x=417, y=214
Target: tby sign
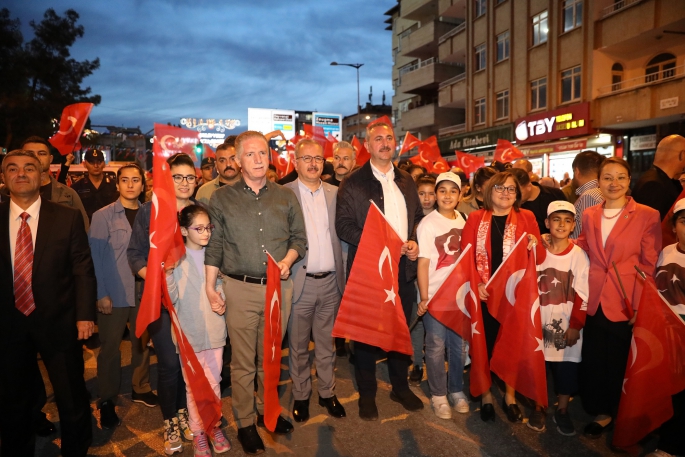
x=563, y=122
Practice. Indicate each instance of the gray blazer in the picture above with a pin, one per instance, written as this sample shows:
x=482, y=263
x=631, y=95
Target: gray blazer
x=299, y=270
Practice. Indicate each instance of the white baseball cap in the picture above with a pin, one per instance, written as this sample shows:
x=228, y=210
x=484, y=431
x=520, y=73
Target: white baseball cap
x=679, y=205
x=562, y=205
x=448, y=176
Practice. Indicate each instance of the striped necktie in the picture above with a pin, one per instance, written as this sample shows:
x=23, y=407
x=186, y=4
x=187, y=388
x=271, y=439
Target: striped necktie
x=23, y=268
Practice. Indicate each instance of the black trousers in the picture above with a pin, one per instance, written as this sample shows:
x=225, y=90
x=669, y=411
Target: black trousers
x=606, y=346
x=365, y=356
x=64, y=364
x=672, y=432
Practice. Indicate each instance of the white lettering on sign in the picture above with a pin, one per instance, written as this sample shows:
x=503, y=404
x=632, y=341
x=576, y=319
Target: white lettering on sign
x=529, y=129
x=666, y=103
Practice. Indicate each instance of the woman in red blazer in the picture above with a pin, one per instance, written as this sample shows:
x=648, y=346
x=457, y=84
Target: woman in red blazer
x=493, y=231
x=629, y=234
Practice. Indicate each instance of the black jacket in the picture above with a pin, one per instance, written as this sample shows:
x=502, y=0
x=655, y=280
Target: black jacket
x=354, y=199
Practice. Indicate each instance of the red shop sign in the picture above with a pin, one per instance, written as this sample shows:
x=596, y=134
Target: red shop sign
x=569, y=121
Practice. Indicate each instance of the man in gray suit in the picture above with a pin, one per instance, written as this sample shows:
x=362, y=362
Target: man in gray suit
x=319, y=281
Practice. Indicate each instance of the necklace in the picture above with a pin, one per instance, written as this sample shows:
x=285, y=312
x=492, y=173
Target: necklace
x=494, y=222
x=615, y=215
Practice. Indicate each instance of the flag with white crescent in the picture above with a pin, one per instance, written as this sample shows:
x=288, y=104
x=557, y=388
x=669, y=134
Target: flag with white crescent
x=506, y=152
x=273, y=337
x=74, y=118
x=468, y=162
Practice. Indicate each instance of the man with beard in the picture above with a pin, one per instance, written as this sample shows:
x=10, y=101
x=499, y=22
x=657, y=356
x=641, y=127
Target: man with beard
x=343, y=162
x=227, y=168
x=395, y=194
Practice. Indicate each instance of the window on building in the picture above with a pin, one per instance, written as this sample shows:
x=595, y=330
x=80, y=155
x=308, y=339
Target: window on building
x=480, y=57
x=499, y=2
x=660, y=67
x=480, y=7
x=479, y=111
x=573, y=14
x=616, y=76
x=503, y=46
x=540, y=28
x=570, y=84
x=538, y=94
x=502, y=107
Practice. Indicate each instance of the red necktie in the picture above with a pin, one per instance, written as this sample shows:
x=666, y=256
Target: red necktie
x=23, y=268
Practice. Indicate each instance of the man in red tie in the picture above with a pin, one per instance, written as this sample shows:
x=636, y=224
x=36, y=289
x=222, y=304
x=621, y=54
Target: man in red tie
x=47, y=297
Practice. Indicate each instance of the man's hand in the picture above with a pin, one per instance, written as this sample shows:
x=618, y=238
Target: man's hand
x=482, y=292
x=104, y=305
x=572, y=336
x=423, y=307
x=271, y=135
x=546, y=240
x=69, y=159
x=411, y=250
x=285, y=269
x=215, y=301
x=85, y=329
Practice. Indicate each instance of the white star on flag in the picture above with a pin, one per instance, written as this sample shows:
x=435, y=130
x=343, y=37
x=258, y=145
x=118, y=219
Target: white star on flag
x=541, y=346
x=152, y=245
x=473, y=329
x=391, y=295
x=555, y=281
x=674, y=278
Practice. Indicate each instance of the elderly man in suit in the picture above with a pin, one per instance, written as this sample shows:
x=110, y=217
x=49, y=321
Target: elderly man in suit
x=47, y=304
x=319, y=280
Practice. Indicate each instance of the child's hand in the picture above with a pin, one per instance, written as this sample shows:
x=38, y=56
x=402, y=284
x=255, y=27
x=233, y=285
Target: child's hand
x=219, y=309
x=482, y=292
x=422, y=308
x=215, y=301
x=572, y=336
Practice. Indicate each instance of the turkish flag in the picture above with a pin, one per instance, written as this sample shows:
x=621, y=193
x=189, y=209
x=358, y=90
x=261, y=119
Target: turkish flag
x=315, y=133
x=328, y=149
x=361, y=154
x=447, y=246
x=655, y=370
x=502, y=284
x=555, y=286
x=467, y=162
x=429, y=156
x=273, y=337
x=171, y=140
x=456, y=306
x=410, y=142
x=381, y=120
x=284, y=165
x=207, y=151
x=370, y=310
x=667, y=235
x=71, y=125
x=506, y=152
x=518, y=357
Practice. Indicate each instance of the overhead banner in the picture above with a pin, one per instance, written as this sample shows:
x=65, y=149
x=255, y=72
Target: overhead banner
x=331, y=124
x=212, y=132
x=267, y=120
x=573, y=120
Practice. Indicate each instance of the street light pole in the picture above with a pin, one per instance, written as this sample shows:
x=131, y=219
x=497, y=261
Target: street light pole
x=355, y=66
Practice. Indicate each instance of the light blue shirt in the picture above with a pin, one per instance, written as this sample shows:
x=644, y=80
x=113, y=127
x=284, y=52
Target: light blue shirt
x=320, y=256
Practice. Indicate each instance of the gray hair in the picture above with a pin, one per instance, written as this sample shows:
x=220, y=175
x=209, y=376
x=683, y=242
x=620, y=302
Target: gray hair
x=344, y=145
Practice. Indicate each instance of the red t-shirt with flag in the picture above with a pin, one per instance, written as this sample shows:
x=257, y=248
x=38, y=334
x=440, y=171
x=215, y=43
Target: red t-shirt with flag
x=670, y=277
x=439, y=239
x=563, y=289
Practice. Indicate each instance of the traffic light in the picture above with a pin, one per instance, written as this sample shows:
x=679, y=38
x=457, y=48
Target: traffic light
x=198, y=149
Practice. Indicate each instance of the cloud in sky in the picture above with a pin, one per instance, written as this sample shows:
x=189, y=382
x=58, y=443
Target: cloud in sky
x=162, y=60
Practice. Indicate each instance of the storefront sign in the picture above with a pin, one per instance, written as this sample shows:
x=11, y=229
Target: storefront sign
x=642, y=142
x=549, y=148
x=666, y=103
x=563, y=122
x=331, y=124
x=468, y=141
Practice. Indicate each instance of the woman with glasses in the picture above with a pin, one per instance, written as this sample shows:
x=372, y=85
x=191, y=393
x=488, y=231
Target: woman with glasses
x=493, y=231
x=617, y=235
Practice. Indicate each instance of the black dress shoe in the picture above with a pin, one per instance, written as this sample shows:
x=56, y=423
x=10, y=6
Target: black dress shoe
x=367, y=409
x=340, y=350
x=487, y=412
x=301, y=410
x=594, y=430
x=408, y=399
x=283, y=427
x=416, y=376
x=108, y=415
x=333, y=406
x=43, y=427
x=513, y=411
x=250, y=440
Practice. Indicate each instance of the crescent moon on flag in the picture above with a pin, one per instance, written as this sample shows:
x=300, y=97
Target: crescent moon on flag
x=421, y=156
x=533, y=309
x=506, y=154
x=654, y=345
x=512, y=282
x=274, y=301
x=461, y=295
x=155, y=204
x=464, y=164
x=633, y=348
x=384, y=255
x=539, y=291
x=446, y=246
x=73, y=121
x=164, y=139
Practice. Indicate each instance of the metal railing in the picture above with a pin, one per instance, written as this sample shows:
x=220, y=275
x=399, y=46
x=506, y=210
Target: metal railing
x=618, y=6
x=665, y=75
x=452, y=80
x=460, y=28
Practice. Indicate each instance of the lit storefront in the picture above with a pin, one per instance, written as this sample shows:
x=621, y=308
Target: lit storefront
x=480, y=143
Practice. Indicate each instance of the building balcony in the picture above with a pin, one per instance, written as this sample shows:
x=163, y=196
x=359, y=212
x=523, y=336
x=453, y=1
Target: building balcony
x=452, y=92
x=452, y=130
x=423, y=42
x=452, y=45
x=417, y=10
x=426, y=76
x=452, y=8
x=640, y=101
x=431, y=116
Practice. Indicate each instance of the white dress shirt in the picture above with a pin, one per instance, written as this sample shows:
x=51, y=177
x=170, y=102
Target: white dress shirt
x=320, y=247
x=395, y=207
x=15, y=223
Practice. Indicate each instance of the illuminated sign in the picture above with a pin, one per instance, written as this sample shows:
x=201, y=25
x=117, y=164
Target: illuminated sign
x=268, y=120
x=477, y=139
x=211, y=131
x=331, y=124
x=564, y=122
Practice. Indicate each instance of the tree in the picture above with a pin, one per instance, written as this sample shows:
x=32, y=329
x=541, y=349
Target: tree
x=45, y=78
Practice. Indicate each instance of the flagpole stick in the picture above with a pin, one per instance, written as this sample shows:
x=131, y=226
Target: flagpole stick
x=642, y=273
x=413, y=323
x=629, y=308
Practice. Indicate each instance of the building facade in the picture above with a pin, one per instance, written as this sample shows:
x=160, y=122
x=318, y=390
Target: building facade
x=355, y=124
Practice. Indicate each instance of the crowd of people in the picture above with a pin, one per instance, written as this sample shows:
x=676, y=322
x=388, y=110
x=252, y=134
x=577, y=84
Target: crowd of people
x=76, y=256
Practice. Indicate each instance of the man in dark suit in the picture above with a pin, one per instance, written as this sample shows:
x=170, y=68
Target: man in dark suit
x=47, y=304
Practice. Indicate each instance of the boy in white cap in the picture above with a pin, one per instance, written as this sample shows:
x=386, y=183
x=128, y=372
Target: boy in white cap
x=563, y=288
x=439, y=235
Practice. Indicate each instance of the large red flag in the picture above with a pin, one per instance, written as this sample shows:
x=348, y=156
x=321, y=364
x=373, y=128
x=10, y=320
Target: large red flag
x=506, y=152
x=273, y=337
x=467, y=162
x=71, y=125
x=655, y=370
x=381, y=120
x=668, y=237
x=315, y=133
x=502, y=284
x=429, y=156
x=518, y=357
x=207, y=151
x=410, y=142
x=371, y=310
x=284, y=165
x=170, y=140
x=361, y=154
x=328, y=149
x=456, y=306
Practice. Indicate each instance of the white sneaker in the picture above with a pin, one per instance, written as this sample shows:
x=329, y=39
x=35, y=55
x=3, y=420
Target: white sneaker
x=172, y=437
x=441, y=408
x=459, y=402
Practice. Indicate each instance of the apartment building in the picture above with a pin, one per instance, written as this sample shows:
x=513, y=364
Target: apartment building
x=355, y=124
x=553, y=76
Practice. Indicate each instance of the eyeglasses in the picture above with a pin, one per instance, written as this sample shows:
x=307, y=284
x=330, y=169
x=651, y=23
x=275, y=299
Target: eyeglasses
x=308, y=159
x=500, y=189
x=178, y=179
x=610, y=179
x=201, y=229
